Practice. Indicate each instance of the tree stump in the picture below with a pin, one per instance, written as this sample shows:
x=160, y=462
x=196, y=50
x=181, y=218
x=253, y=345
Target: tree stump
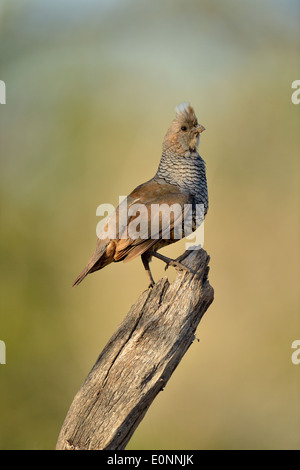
x=138, y=360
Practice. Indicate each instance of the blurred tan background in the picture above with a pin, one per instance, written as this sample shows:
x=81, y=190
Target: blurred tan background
x=91, y=91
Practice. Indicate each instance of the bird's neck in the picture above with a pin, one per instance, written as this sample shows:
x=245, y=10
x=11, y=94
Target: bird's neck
x=186, y=172
x=177, y=169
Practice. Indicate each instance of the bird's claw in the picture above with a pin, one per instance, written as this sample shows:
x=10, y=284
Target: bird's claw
x=178, y=265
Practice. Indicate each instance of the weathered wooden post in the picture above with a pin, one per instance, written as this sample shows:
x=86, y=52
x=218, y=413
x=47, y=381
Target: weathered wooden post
x=138, y=360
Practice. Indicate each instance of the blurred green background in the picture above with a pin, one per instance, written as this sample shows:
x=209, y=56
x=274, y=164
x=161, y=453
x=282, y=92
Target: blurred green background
x=91, y=91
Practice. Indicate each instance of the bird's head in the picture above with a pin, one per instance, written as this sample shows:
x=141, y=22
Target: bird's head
x=183, y=135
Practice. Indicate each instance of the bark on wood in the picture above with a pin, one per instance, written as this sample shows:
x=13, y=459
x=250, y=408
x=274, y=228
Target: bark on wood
x=138, y=360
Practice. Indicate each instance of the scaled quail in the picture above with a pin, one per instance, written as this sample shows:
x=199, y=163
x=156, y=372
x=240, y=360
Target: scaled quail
x=180, y=179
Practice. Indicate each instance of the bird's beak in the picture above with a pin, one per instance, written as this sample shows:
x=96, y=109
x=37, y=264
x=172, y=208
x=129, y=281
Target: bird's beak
x=200, y=128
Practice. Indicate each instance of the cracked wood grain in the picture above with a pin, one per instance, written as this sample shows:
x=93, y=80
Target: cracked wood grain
x=138, y=360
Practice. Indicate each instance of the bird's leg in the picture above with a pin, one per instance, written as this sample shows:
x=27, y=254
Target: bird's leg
x=145, y=260
x=171, y=262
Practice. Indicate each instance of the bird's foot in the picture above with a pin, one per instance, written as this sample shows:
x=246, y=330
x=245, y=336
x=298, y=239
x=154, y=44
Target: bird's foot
x=178, y=265
x=145, y=261
x=172, y=262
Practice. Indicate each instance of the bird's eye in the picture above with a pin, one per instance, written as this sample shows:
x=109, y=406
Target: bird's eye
x=183, y=128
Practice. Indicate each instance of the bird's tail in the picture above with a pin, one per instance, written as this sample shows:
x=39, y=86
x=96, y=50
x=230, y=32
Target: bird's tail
x=97, y=261
x=82, y=275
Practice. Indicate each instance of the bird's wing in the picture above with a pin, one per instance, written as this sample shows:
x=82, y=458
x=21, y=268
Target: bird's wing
x=154, y=197
x=125, y=247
